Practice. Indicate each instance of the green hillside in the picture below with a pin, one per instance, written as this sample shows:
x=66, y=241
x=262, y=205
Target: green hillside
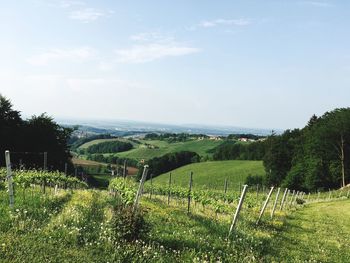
x=213, y=174
x=162, y=147
x=86, y=145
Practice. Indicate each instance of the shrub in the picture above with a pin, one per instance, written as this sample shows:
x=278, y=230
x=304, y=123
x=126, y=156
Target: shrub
x=129, y=225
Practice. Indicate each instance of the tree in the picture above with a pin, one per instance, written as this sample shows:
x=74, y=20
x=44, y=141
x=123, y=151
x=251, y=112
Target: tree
x=30, y=138
x=11, y=126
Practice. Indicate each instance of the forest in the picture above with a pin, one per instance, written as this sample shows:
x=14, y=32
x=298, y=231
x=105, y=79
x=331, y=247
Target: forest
x=315, y=157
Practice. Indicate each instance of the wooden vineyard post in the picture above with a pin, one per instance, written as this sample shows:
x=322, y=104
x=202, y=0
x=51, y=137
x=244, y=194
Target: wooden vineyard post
x=151, y=191
x=284, y=198
x=169, y=192
x=225, y=187
x=124, y=169
x=257, y=192
x=330, y=194
x=291, y=199
x=275, y=204
x=9, y=178
x=189, y=193
x=66, y=169
x=318, y=196
x=238, y=209
x=142, y=181
x=296, y=197
x=265, y=204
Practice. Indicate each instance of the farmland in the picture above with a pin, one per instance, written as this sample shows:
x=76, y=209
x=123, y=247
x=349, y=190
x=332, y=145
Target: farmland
x=148, y=149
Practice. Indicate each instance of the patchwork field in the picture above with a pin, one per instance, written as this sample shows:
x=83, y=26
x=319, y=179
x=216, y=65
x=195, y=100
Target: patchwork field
x=148, y=149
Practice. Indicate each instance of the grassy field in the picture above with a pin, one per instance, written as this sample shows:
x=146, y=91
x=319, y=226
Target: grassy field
x=213, y=174
x=142, y=151
x=318, y=233
x=83, y=162
x=79, y=226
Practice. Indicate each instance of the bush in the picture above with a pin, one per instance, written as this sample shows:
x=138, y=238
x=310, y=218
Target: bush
x=300, y=201
x=254, y=180
x=127, y=225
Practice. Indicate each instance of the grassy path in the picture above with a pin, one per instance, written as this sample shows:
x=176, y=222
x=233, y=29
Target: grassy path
x=317, y=233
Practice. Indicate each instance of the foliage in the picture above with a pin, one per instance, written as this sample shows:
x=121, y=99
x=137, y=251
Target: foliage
x=129, y=225
x=30, y=138
x=112, y=159
x=254, y=180
x=109, y=147
x=78, y=142
x=315, y=157
x=244, y=135
x=124, y=189
x=231, y=150
x=25, y=178
x=170, y=161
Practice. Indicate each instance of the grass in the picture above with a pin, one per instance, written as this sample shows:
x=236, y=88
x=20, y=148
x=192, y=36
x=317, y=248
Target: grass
x=83, y=162
x=318, y=233
x=213, y=174
x=77, y=226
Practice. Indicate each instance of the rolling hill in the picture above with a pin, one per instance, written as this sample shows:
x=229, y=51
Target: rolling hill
x=213, y=174
x=148, y=149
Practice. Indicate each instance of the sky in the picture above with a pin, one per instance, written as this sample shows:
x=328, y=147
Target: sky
x=256, y=64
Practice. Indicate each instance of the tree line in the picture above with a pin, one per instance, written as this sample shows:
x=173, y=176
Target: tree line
x=168, y=162
x=109, y=147
x=27, y=140
x=315, y=157
x=312, y=158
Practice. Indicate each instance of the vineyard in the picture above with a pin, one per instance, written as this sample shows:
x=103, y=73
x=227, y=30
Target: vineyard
x=171, y=223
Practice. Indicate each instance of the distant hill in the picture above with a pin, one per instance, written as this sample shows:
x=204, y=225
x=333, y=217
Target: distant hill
x=125, y=128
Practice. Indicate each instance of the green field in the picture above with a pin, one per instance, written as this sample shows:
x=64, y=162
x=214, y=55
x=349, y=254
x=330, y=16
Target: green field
x=318, y=233
x=142, y=151
x=213, y=174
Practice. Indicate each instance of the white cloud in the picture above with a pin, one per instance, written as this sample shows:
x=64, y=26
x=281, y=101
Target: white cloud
x=152, y=46
x=70, y=3
x=87, y=15
x=151, y=36
x=225, y=22
x=80, y=11
x=153, y=51
x=72, y=55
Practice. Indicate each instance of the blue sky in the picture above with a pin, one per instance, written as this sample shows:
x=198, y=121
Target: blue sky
x=258, y=64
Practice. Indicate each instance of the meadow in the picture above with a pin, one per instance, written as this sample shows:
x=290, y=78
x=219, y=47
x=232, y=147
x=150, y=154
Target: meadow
x=212, y=175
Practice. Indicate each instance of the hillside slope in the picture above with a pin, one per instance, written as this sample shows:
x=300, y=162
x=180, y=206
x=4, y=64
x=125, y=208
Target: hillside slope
x=213, y=174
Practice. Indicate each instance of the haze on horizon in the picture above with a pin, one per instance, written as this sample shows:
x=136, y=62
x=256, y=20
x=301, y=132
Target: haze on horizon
x=258, y=64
